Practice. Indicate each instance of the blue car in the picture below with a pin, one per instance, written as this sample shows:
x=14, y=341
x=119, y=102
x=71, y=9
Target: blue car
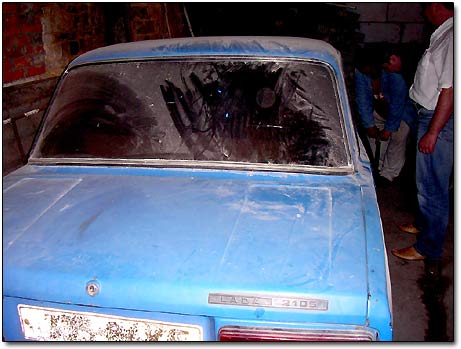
x=196, y=189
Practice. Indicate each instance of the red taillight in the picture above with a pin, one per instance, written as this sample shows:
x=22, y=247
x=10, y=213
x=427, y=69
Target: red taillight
x=259, y=334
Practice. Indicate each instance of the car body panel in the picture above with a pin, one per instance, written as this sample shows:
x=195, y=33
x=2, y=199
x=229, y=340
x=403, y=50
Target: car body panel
x=213, y=46
x=241, y=234
x=184, y=242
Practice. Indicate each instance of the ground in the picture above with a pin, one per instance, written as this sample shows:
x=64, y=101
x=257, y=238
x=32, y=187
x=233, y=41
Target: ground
x=422, y=292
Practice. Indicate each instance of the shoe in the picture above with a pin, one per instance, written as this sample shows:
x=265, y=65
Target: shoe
x=408, y=228
x=408, y=253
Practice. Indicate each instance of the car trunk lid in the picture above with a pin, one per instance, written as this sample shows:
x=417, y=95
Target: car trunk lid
x=191, y=242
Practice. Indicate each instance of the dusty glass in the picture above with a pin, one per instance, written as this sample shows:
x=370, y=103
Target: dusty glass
x=230, y=110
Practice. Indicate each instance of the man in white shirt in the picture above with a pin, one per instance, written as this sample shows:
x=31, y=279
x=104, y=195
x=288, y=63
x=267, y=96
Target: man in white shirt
x=432, y=93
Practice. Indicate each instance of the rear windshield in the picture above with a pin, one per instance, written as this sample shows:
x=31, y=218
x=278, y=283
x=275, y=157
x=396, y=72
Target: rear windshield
x=246, y=111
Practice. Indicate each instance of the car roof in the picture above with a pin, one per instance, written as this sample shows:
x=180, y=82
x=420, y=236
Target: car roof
x=213, y=46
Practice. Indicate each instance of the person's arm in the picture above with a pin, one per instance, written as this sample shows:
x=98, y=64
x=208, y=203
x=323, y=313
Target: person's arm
x=442, y=113
x=364, y=100
x=395, y=89
x=444, y=108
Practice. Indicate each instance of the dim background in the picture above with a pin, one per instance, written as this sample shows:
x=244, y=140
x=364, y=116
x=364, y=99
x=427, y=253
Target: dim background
x=40, y=39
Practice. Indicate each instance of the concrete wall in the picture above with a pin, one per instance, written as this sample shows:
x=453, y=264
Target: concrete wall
x=393, y=22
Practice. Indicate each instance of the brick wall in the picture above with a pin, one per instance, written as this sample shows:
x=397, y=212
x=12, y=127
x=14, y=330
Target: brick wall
x=23, y=51
x=70, y=29
x=40, y=39
x=156, y=21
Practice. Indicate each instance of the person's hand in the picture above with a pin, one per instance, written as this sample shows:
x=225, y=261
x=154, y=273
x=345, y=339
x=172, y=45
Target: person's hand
x=384, y=135
x=426, y=144
x=372, y=132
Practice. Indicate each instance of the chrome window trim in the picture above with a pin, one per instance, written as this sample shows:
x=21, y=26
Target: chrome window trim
x=194, y=164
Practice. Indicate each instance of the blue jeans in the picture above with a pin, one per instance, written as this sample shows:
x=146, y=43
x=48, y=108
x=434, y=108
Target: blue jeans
x=432, y=180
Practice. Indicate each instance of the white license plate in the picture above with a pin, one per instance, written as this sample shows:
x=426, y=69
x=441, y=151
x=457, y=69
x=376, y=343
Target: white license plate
x=47, y=324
